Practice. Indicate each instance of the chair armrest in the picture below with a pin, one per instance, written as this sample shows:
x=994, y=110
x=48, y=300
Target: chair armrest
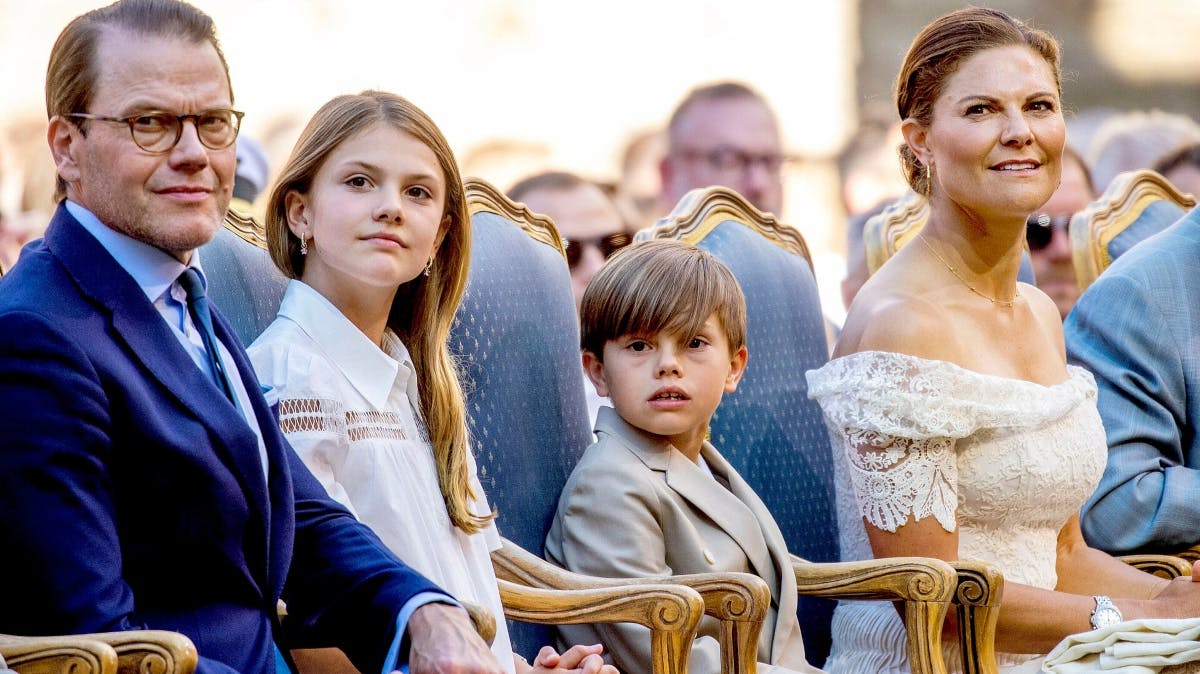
x=977, y=597
x=670, y=611
x=1191, y=554
x=1163, y=566
x=157, y=651
x=47, y=655
x=482, y=619
x=925, y=586
x=740, y=601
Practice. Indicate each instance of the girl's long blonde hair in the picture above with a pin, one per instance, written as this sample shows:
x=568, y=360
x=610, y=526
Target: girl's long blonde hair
x=424, y=308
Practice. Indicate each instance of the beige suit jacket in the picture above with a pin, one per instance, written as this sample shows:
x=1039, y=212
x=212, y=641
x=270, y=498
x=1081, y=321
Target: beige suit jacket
x=637, y=507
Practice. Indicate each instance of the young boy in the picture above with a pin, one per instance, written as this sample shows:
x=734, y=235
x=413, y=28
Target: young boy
x=664, y=336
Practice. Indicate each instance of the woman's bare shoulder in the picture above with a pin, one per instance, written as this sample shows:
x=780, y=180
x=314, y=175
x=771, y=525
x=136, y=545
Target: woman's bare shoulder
x=898, y=320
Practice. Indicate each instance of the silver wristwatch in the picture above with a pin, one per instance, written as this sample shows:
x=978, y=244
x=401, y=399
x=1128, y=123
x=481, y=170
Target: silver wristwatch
x=1106, y=613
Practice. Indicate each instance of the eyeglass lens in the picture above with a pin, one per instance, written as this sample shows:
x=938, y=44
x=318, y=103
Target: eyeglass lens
x=217, y=130
x=1039, y=229
x=607, y=245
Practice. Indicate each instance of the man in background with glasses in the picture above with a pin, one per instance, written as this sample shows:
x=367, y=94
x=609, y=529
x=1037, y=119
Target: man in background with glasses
x=1047, y=235
x=724, y=134
x=144, y=481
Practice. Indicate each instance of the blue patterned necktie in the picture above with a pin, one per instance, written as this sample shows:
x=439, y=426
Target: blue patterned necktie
x=190, y=281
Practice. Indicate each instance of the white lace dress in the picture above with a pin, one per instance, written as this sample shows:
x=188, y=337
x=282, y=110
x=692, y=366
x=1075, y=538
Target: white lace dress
x=1006, y=461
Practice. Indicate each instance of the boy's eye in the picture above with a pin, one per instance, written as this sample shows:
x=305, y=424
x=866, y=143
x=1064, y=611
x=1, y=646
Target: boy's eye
x=638, y=346
x=695, y=343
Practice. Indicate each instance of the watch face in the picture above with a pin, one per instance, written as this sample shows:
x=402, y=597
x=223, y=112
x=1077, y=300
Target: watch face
x=1105, y=616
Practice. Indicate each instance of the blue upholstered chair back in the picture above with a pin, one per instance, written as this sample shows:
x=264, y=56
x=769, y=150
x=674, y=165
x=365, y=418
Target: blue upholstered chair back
x=769, y=429
x=900, y=222
x=1135, y=206
x=517, y=339
x=243, y=282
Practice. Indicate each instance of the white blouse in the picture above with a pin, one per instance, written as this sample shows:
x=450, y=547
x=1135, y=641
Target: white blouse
x=352, y=413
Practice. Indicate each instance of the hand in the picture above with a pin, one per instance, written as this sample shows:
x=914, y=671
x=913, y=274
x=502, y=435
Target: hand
x=577, y=660
x=1179, y=598
x=443, y=641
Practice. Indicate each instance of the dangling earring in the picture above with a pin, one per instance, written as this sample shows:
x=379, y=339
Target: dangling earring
x=928, y=180
x=304, y=244
x=429, y=266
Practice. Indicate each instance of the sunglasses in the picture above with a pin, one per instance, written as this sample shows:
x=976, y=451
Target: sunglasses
x=607, y=245
x=1039, y=229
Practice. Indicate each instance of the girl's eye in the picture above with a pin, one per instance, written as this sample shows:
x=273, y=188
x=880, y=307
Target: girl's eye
x=419, y=192
x=358, y=181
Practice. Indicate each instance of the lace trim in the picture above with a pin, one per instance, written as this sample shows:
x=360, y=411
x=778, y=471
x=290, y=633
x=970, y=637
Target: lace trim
x=901, y=395
x=895, y=477
x=374, y=424
x=300, y=415
x=325, y=415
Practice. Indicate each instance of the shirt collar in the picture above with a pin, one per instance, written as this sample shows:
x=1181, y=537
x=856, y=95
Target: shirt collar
x=370, y=370
x=151, y=268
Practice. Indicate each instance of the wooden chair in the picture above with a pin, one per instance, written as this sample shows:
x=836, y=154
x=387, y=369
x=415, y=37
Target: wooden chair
x=1136, y=205
x=132, y=652
x=900, y=222
x=516, y=337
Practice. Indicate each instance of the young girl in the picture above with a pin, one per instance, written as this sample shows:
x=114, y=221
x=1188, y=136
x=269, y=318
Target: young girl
x=370, y=221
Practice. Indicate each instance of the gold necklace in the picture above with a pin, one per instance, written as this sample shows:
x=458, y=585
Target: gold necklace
x=1007, y=304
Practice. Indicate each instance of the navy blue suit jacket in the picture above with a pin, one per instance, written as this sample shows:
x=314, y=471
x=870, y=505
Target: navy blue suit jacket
x=131, y=489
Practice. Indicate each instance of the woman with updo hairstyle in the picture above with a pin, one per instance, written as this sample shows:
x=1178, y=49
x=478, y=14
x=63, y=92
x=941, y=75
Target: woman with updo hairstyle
x=960, y=431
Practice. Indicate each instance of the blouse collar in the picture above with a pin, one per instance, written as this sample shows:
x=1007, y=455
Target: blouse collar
x=369, y=369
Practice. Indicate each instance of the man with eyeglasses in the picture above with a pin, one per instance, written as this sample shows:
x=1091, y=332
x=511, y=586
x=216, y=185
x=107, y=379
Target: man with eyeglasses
x=725, y=134
x=143, y=479
x=1047, y=236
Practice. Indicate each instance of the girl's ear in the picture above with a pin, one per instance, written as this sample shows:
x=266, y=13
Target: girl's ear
x=296, y=207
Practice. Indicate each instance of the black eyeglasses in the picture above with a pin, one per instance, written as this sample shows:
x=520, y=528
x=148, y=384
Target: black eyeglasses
x=1039, y=229
x=158, y=132
x=732, y=161
x=607, y=245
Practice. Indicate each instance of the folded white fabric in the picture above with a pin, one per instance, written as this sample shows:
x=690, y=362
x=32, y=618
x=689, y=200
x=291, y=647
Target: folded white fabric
x=1131, y=647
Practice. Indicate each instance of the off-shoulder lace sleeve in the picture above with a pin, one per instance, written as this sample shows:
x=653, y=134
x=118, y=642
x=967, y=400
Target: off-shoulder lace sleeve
x=897, y=419
x=896, y=477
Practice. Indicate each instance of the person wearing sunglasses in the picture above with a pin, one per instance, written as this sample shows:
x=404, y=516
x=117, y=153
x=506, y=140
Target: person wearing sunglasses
x=587, y=219
x=1046, y=233
x=592, y=229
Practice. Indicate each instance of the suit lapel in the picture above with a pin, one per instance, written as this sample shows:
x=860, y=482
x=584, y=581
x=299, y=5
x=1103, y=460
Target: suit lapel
x=694, y=486
x=149, y=340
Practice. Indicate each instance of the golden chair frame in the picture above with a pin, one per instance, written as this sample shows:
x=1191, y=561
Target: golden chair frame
x=1123, y=202
x=893, y=227
x=132, y=652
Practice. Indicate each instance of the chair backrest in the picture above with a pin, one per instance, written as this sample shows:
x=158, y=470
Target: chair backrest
x=768, y=429
x=243, y=282
x=900, y=222
x=516, y=337
x=1136, y=205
